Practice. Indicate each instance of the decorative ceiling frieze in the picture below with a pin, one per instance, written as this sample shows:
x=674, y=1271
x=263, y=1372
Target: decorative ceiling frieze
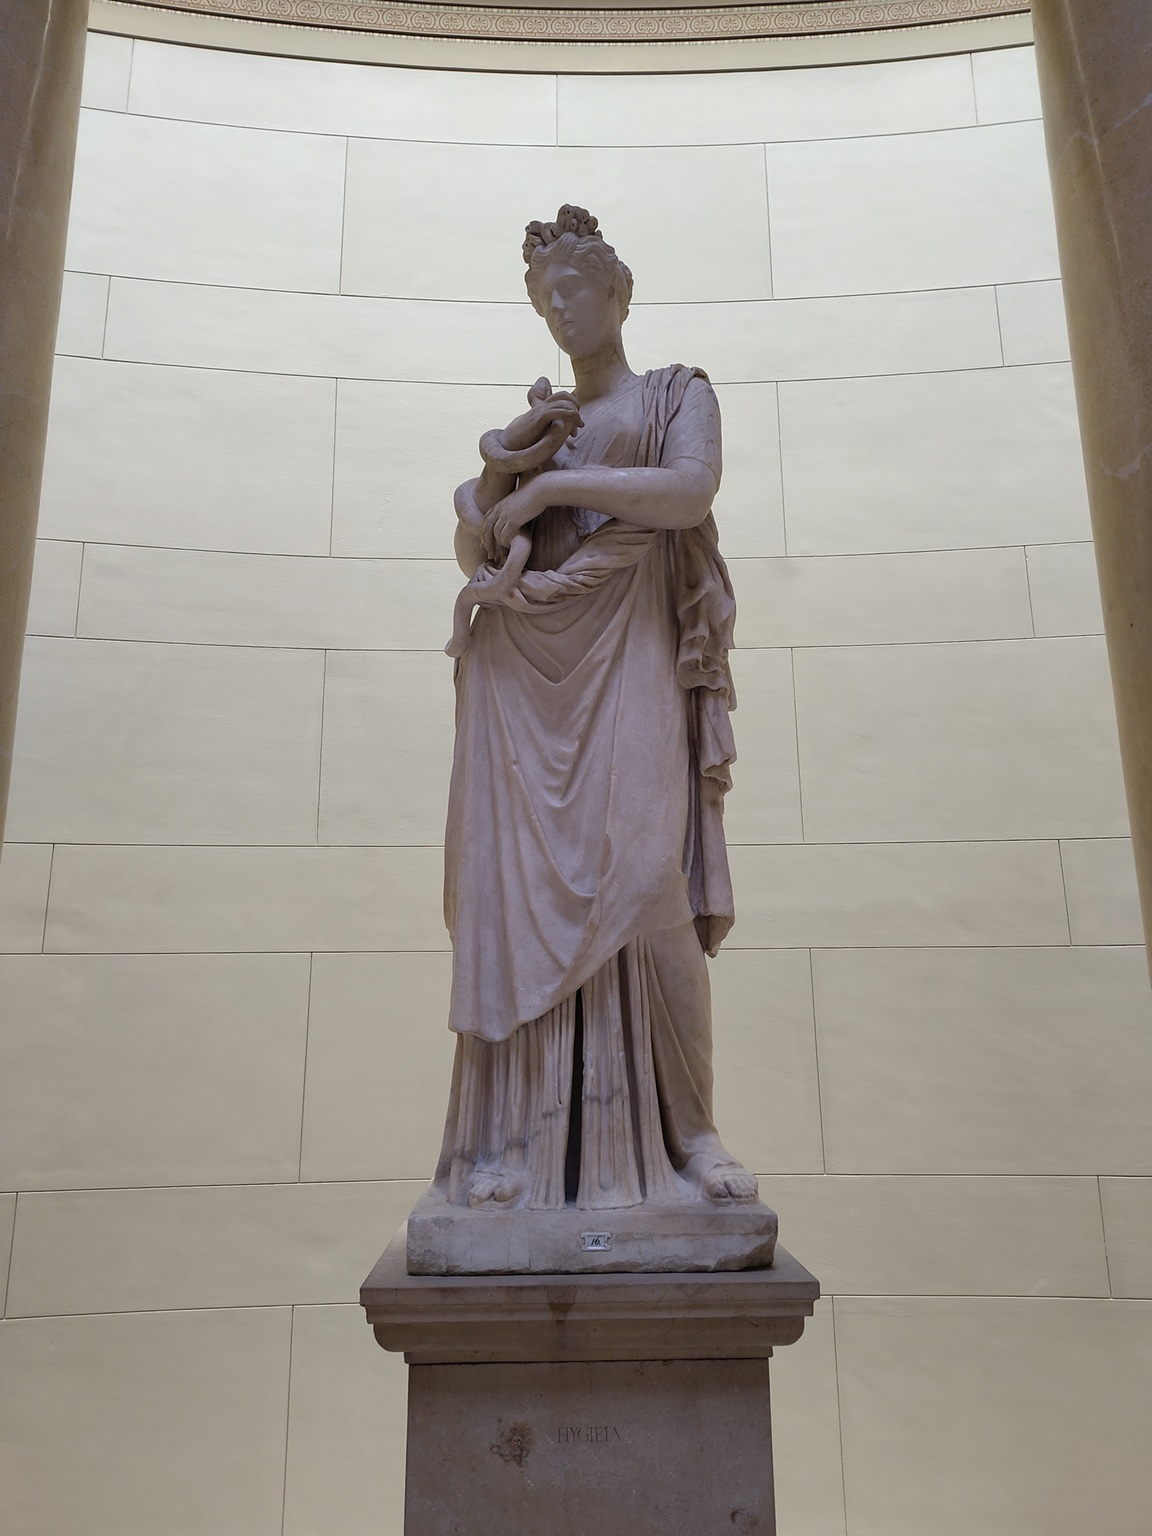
x=533, y=22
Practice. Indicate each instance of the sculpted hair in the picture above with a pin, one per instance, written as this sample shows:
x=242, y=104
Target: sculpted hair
x=574, y=236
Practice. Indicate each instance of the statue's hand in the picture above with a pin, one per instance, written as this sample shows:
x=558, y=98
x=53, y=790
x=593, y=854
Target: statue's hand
x=547, y=410
x=507, y=517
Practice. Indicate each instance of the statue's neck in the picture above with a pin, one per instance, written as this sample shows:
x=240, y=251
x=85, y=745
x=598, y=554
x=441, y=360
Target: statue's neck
x=602, y=374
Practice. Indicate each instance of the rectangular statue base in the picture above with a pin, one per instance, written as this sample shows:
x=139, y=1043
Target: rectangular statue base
x=604, y=1448
x=697, y=1236
x=597, y=1405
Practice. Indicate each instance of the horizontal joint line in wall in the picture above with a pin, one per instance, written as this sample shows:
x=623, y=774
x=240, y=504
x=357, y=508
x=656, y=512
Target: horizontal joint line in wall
x=720, y=383
x=420, y=1179
x=435, y=650
x=891, y=842
x=575, y=144
x=288, y=1306
x=799, y=298
x=295, y=554
x=279, y=554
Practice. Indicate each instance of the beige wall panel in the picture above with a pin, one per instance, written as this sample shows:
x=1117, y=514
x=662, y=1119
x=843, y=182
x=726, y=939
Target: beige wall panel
x=750, y=507
x=913, y=894
x=1006, y=85
x=192, y=457
x=83, y=312
x=1004, y=1416
x=315, y=333
x=123, y=742
x=932, y=461
x=25, y=869
x=275, y=600
x=984, y=1061
x=312, y=96
x=1033, y=326
x=1064, y=589
x=388, y=734
x=143, y=1423
x=806, y=1432
x=874, y=333
x=255, y=1245
x=767, y=1095
x=771, y=104
x=346, y=1429
x=470, y=241
x=55, y=587
x=1103, y=901
x=145, y=1070
x=992, y=739
x=379, y=1067
x=196, y=203
x=401, y=451
x=969, y=594
x=107, y=67
x=764, y=804
x=927, y=210
x=909, y=1235
x=237, y=899
x=1127, y=1207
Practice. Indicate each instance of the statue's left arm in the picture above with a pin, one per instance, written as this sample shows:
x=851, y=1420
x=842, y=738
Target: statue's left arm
x=677, y=493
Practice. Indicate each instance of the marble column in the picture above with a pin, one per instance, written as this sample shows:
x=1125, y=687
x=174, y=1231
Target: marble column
x=1095, y=62
x=41, y=61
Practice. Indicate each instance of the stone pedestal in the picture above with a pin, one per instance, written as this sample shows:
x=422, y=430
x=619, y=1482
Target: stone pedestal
x=588, y=1405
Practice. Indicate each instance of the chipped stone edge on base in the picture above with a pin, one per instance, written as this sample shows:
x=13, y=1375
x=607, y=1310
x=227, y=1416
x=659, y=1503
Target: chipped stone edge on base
x=691, y=1238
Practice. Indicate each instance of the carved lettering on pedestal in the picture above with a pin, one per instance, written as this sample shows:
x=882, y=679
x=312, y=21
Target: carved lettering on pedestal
x=588, y=1434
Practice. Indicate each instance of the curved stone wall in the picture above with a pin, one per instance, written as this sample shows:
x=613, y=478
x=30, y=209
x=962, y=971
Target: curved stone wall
x=293, y=302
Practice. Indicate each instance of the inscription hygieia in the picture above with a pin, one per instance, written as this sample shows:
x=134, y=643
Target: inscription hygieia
x=587, y=1434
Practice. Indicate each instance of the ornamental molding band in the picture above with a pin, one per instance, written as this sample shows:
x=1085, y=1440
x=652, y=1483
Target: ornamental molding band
x=536, y=23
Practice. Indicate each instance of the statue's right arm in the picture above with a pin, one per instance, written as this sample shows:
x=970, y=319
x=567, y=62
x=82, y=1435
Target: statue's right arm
x=473, y=501
x=524, y=447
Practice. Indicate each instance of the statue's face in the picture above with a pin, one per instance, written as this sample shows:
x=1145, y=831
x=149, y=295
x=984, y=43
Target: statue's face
x=580, y=312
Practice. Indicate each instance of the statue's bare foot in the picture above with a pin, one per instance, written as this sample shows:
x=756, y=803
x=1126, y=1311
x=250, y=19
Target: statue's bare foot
x=723, y=1179
x=494, y=1189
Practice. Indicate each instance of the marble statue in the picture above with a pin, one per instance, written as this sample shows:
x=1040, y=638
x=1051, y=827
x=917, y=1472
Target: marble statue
x=586, y=870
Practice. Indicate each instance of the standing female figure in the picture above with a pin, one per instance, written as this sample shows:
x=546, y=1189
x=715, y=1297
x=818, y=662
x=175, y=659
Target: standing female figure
x=586, y=872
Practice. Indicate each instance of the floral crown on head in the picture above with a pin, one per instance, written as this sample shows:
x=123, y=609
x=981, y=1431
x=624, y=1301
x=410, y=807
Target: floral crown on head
x=569, y=220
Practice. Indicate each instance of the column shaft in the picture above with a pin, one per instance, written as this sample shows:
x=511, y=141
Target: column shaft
x=1095, y=62
x=41, y=61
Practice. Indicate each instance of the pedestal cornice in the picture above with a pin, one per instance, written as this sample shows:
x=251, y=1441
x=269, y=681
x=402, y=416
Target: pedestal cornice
x=485, y=1319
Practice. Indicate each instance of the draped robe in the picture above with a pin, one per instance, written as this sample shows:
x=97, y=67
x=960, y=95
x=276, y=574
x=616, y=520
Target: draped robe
x=585, y=868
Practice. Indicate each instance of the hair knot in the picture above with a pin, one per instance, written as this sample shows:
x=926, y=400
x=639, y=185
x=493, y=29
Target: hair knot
x=569, y=220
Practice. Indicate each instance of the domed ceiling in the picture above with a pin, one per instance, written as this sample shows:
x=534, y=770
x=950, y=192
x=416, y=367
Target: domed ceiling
x=601, y=21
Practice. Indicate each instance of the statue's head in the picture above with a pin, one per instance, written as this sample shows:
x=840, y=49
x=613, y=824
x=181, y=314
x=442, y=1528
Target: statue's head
x=576, y=281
